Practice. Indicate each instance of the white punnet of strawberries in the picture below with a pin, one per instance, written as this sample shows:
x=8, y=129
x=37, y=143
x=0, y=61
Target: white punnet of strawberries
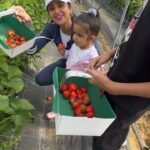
x=79, y=100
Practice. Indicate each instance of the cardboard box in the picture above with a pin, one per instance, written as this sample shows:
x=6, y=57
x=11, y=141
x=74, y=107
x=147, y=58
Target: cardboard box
x=65, y=121
x=7, y=22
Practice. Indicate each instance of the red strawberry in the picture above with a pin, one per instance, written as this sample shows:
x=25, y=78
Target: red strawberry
x=75, y=105
x=72, y=99
x=81, y=96
x=83, y=89
x=80, y=101
x=12, y=45
x=63, y=88
x=86, y=101
x=17, y=42
x=81, y=115
x=66, y=94
x=61, y=46
x=22, y=38
x=73, y=93
x=89, y=109
x=90, y=114
x=78, y=92
x=11, y=33
x=77, y=111
x=49, y=98
x=72, y=87
x=82, y=107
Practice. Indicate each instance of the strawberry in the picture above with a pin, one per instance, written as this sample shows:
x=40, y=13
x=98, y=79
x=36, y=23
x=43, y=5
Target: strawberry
x=17, y=42
x=77, y=111
x=72, y=99
x=90, y=114
x=81, y=95
x=80, y=101
x=22, y=38
x=75, y=105
x=89, y=109
x=83, y=89
x=23, y=42
x=61, y=46
x=81, y=115
x=11, y=33
x=73, y=93
x=86, y=101
x=17, y=37
x=49, y=98
x=72, y=87
x=82, y=108
x=66, y=94
x=12, y=45
x=63, y=88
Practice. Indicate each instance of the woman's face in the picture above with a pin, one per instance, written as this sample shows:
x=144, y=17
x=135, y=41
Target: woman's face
x=59, y=12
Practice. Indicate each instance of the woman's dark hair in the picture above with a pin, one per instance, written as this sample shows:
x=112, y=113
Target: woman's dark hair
x=90, y=20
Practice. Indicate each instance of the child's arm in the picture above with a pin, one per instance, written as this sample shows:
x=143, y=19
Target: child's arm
x=116, y=88
x=102, y=59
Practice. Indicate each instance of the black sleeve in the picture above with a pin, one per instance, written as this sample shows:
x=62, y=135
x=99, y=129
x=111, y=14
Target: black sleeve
x=132, y=64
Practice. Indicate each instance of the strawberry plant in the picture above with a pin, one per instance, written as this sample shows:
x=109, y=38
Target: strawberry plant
x=16, y=112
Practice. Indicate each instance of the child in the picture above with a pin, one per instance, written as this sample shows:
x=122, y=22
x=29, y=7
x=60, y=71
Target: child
x=86, y=27
x=127, y=84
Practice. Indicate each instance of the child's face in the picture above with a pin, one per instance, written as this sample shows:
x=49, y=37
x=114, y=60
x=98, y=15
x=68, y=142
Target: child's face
x=59, y=12
x=81, y=37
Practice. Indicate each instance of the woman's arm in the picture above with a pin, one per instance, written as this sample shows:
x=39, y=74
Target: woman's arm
x=45, y=37
x=116, y=88
x=22, y=15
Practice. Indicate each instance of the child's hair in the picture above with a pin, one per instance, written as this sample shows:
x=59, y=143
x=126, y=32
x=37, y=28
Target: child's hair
x=90, y=19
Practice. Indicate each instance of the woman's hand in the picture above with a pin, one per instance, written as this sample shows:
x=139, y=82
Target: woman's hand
x=61, y=49
x=22, y=15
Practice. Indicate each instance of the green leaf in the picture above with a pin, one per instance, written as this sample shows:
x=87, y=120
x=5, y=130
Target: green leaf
x=4, y=103
x=20, y=119
x=1, y=88
x=9, y=110
x=6, y=126
x=14, y=71
x=17, y=84
x=25, y=105
x=21, y=104
x=3, y=64
x=5, y=83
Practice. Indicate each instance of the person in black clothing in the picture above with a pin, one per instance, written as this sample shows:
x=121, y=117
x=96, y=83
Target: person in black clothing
x=127, y=83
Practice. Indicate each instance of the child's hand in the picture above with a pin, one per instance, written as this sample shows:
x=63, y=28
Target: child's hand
x=102, y=59
x=97, y=62
x=22, y=15
x=61, y=49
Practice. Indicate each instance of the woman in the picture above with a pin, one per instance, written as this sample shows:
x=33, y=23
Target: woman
x=60, y=31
